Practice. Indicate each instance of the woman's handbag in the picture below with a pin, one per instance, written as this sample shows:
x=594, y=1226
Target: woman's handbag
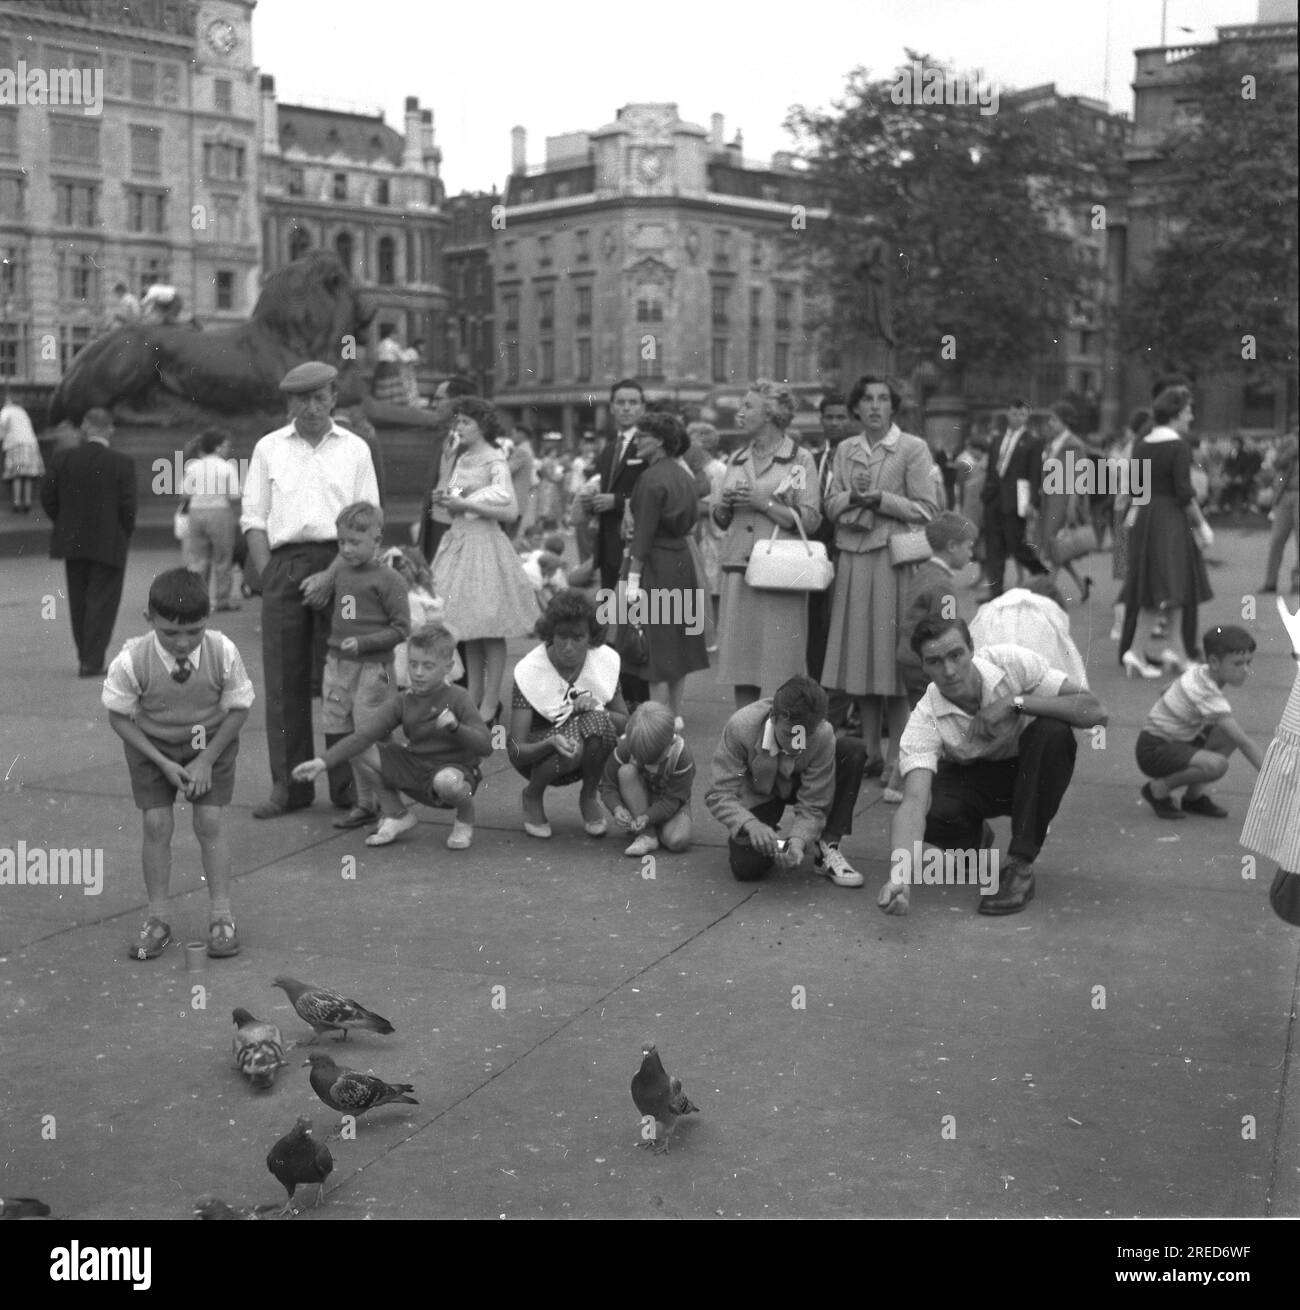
x=776, y=565
x=630, y=642
x=909, y=548
x=1070, y=543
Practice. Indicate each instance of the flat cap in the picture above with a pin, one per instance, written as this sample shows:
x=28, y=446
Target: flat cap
x=310, y=376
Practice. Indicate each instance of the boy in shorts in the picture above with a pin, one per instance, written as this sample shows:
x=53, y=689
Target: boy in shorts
x=445, y=740
x=178, y=697
x=1190, y=731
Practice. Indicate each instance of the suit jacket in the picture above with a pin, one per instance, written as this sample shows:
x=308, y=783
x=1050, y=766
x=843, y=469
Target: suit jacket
x=1026, y=463
x=618, y=477
x=437, y=444
x=902, y=469
x=89, y=494
x=824, y=459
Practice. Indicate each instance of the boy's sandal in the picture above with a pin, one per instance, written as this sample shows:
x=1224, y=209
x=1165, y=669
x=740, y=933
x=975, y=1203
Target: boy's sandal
x=151, y=940
x=223, y=939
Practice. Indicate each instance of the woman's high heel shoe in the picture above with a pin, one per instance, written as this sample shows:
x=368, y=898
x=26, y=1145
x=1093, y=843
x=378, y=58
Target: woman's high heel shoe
x=1087, y=589
x=1135, y=666
x=1172, y=662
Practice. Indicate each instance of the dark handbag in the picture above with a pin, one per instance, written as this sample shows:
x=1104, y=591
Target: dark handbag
x=1284, y=896
x=630, y=642
x=1071, y=543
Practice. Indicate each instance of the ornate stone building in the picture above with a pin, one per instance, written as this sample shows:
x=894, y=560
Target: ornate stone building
x=158, y=183
x=348, y=183
x=469, y=343
x=647, y=248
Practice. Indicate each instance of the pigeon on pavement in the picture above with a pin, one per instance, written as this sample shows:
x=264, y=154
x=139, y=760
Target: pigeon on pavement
x=22, y=1207
x=258, y=1049
x=328, y=1011
x=658, y=1095
x=299, y=1158
x=353, y=1093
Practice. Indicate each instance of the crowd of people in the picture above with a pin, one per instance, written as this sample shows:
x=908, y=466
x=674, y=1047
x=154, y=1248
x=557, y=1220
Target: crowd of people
x=834, y=563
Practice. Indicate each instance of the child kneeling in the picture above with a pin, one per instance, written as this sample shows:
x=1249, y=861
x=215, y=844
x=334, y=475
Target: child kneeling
x=445, y=740
x=646, y=784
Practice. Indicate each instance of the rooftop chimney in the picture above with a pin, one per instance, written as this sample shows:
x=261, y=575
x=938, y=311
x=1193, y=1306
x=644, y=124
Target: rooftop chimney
x=426, y=131
x=715, y=132
x=413, y=145
x=518, y=151
x=270, y=117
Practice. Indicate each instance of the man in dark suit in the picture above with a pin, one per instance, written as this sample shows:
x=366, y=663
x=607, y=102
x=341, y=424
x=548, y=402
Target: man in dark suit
x=433, y=521
x=1016, y=457
x=90, y=497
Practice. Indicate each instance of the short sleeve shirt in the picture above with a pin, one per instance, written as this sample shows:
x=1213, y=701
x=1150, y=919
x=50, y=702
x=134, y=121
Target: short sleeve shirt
x=937, y=730
x=1190, y=704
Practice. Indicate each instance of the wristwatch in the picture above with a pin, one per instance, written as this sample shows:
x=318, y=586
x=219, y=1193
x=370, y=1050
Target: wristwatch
x=1019, y=703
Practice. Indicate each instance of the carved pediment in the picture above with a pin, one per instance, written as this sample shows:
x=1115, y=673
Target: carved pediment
x=650, y=272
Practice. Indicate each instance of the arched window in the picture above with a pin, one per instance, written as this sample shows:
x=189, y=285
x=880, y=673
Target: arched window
x=387, y=260
x=299, y=242
x=343, y=248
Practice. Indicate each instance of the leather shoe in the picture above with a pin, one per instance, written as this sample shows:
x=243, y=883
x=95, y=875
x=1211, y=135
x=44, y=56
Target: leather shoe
x=1015, y=892
x=85, y=671
x=276, y=805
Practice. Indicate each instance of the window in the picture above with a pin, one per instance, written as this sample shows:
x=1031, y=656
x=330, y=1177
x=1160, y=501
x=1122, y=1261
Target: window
x=584, y=306
x=719, y=306
x=225, y=281
x=8, y=132
x=510, y=311
x=296, y=182
x=649, y=310
x=720, y=373
x=223, y=162
x=343, y=249
x=299, y=243
x=340, y=186
x=652, y=367
x=146, y=211
x=387, y=261
x=508, y=256
x=13, y=283
x=582, y=366
x=756, y=307
x=781, y=361
x=143, y=271
x=755, y=358
x=784, y=311
x=74, y=141
x=512, y=363
x=78, y=276
x=583, y=239
x=721, y=242
x=11, y=199
x=13, y=349
x=76, y=204
x=146, y=151
x=756, y=250
x=1085, y=342
x=382, y=191
x=544, y=245
x=546, y=372
x=144, y=80
x=73, y=339
x=545, y=309
x=222, y=99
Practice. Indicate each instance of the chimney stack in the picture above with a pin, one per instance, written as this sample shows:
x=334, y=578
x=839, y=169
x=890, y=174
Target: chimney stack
x=426, y=131
x=715, y=132
x=270, y=117
x=413, y=143
x=518, y=151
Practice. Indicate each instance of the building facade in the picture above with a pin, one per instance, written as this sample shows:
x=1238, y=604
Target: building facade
x=647, y=248
x=159, y=183
x=348, y=183
x=468, y=345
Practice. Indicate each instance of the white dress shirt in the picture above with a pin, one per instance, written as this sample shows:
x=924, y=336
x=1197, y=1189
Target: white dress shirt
x=294, y=490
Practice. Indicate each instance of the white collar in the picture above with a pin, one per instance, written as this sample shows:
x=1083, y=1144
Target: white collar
x=169, y=660
x=1162, y=433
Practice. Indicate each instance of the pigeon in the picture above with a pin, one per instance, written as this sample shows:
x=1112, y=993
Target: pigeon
x=22, y=1207
x=298, y=1158
x=327, y=1011
x=658, y=1095
x=258, y=1049
x=354, y=1093
x=213, y=1207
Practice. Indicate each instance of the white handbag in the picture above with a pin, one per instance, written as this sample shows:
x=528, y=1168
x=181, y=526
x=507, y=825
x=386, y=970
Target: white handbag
x=909, y=548
x=785, y=565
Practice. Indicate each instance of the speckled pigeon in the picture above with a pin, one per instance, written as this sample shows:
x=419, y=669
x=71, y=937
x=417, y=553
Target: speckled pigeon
x=353, y=1093
x=327, y=1011
x=258, y=1049
x=22, y=1207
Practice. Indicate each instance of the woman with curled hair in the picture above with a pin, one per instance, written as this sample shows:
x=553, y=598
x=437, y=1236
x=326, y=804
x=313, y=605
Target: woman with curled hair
x=883, y=482
x=476, y=570
x=770, y=480
x=566, y=712
x=661, y=566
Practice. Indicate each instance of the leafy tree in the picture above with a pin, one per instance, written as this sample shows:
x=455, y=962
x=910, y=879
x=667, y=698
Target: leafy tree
x=978, y=211
x=1225, y=179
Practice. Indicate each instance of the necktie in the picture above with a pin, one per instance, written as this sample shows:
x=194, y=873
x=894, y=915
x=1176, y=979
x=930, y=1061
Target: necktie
x=1008, y=445
x=182, y=670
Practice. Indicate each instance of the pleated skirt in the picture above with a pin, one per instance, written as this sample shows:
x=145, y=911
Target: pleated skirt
x=1272, y=827
x=762, y=635
x=866, y=615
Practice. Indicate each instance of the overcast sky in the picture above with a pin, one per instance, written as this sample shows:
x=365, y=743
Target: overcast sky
x=569, y=65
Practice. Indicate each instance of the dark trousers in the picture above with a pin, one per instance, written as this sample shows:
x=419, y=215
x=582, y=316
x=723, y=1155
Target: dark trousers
x=1029, y=787
x=819, y=631
x=1004, y=538
x=293, y=662
x=94, y=594
x=850, y=761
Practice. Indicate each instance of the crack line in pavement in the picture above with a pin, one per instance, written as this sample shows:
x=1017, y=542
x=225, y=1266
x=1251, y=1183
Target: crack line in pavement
x=572, y=1019
x=1271, y=1190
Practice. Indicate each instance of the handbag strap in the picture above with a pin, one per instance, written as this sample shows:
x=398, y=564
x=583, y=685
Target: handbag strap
x=798, y=522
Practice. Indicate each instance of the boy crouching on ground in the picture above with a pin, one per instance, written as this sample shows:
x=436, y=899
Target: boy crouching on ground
x=178, y=697
x=647, y=782
x=445, y=740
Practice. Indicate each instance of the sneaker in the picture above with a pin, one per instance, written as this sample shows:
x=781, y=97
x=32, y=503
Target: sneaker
x=391, y=829
x=151, y=941
x=832, y=864
x=1204, y=806
x=643, y=844
x=462, y=835
x=1163, y=805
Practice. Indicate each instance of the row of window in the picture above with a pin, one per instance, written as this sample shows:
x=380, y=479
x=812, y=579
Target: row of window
x=420, y=252
x=296, y=185
x=722, y=249
x=77, y=204
x=650, y=362
x=649, y=308
x=81, y=276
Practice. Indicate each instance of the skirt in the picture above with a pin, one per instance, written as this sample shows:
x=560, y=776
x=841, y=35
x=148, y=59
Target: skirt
x=23, y=461
x=478, y=574
x=1166, y=569
x=1272, y=827
x=577, y=728
x=867, y=613
x=762, y=635
x=669, y=577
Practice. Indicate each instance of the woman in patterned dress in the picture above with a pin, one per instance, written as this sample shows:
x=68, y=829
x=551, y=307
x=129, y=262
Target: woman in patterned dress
x=476, y=570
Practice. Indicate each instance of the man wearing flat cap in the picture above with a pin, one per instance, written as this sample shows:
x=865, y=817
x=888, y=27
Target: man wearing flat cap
x=299, y=478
